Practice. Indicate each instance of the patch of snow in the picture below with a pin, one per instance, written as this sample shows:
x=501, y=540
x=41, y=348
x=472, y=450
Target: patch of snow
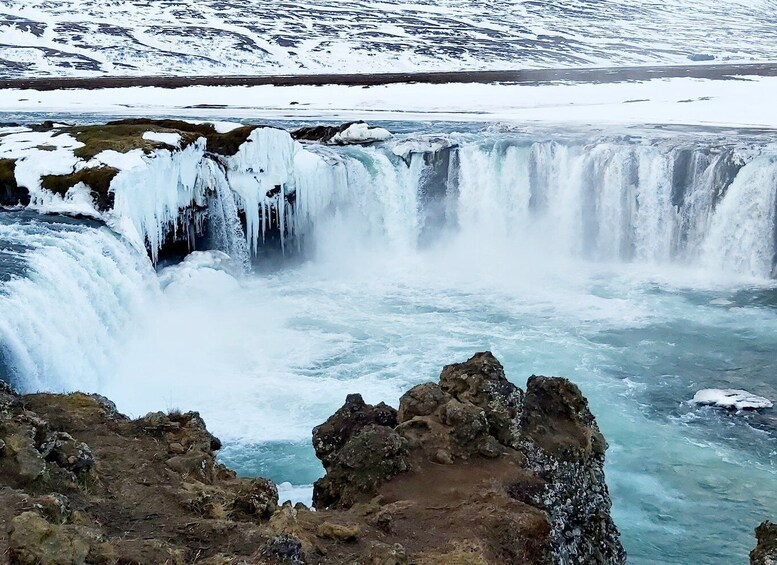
x=20, y=144
x=225, y=127
x=731, y=399
x=37, y=37
x=219, y=126
x=360, y=133
x=425, y=144
x=168, y=138
x=121, y=161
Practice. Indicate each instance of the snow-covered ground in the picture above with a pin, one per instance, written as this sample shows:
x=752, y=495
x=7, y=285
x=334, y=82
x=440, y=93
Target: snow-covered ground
x=95, y=37
x=747, y=102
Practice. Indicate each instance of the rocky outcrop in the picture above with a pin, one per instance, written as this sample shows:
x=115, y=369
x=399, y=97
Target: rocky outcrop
x=765, y=552
x=350, y=133
x=469, y=470
x=528, y=467
x=11, y=194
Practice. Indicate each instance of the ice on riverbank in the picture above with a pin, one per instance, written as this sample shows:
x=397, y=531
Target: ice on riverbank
x=731, y=399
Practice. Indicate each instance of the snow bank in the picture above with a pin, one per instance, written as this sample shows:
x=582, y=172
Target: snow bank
x=120, y=161
x=659, y=101
x=732, y=399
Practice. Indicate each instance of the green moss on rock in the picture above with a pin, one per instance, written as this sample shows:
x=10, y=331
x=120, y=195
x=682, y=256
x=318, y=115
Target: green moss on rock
x=11, y=193
x=7, y=169
x=222, y=143
x=98, y=179
x=120, y=137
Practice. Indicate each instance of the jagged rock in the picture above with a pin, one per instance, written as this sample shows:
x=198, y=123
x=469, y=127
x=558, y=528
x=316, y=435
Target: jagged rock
x=473, y=411
x=61, y=448
x=258, y=497
x=285, y=550
x=369, y=458
x=421, y=400
x=765, y=552
x=564, y=446
x=502, y=478
x=332, y=435
x=543, y=500
x=482, y=382
x=349, y=133
x=54, y=507
x=21, y=463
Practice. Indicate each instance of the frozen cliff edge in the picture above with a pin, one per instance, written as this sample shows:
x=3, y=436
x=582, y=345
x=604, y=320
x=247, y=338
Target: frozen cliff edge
x=700, y=200
x=468, y=469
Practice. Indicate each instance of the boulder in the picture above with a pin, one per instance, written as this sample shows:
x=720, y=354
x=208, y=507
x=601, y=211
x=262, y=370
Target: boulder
x=481, y=381
x=372, y=456
x=355, y=414
x=350, y=133
x=35, y=541
x=257, y=497
x=61, y=448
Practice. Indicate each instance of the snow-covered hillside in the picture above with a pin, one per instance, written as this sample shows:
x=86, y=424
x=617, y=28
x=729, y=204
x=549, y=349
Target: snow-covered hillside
x=94, y=37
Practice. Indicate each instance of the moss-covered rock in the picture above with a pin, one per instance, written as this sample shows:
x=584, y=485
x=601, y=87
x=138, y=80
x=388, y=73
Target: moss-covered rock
x=98, y=179
x=127, y=132
x=11, y=193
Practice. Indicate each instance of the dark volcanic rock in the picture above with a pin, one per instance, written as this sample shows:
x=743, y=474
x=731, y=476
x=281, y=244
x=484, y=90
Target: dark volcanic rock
x=332, y=435
x=11, y=194
x=481, y=381
x=323, y=134
x=765, y=552
x=564, y=446
x=528, y=468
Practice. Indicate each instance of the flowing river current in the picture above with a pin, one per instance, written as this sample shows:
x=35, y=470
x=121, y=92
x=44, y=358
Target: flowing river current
x=639, y=266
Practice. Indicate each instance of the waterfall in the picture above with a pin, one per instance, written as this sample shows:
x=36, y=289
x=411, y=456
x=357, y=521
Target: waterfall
x=625, y=201
x=696, y=202
x=742, y=229
x=66, y=308
x=223, y=212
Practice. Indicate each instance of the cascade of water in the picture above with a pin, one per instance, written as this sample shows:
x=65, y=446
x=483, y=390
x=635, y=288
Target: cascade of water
x=741, y=237
x=148, y=198
x=606, y=199
x=654, y=216
x=222, y=211
x=63, y=322
x=642, y=201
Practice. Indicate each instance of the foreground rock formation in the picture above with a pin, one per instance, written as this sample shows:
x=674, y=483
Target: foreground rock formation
x=765, y=552
x=469, y=470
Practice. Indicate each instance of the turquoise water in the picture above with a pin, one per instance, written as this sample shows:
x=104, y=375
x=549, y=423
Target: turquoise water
x=688, y=484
